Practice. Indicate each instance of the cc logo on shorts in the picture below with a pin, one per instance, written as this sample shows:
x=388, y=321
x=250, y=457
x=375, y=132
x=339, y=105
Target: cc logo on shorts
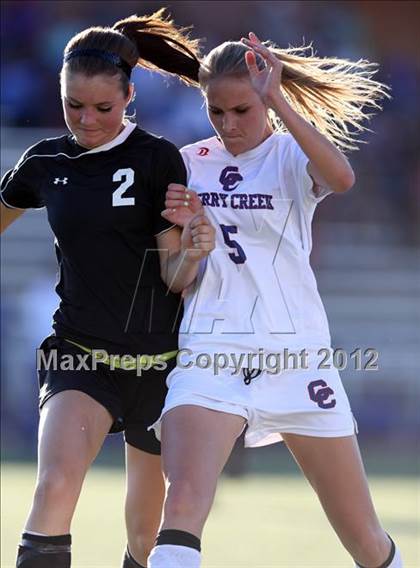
x=320, y=392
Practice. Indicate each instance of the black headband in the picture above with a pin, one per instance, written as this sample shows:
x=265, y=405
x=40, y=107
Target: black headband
x=104, y=55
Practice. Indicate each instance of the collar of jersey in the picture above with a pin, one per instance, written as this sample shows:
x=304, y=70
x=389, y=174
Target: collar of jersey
x=122, y=137
x=255, y=152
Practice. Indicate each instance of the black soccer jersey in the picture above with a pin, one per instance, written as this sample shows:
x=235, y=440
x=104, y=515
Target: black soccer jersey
x=104, y=208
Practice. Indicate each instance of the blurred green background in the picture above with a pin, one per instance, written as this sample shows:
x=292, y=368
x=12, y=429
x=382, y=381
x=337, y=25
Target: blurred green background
x=258, y=521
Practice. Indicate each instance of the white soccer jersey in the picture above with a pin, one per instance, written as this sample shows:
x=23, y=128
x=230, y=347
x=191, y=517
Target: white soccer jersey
x=256, y=290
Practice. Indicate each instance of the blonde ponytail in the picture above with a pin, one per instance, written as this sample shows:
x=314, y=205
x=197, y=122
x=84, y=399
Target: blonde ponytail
x=334, y=94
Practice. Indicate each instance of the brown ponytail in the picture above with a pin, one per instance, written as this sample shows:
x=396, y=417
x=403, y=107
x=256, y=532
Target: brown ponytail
x=153, y=42
x=162, y=46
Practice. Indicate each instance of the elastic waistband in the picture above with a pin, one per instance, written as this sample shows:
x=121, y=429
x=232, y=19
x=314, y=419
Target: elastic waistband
x=140, y=361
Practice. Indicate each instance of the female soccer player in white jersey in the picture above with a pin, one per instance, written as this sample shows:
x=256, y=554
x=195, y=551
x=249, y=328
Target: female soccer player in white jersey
x=104, y=189
x=260, y=179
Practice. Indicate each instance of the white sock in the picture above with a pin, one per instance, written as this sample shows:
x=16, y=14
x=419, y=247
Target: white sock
x=174, y=556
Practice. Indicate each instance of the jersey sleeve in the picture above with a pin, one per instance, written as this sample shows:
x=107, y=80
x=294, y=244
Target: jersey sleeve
x=170, y=168
x=297, y=169
x=20, y=186
x=186, y=157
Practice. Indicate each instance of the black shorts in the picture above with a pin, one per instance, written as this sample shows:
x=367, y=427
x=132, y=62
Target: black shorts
x=135, y=402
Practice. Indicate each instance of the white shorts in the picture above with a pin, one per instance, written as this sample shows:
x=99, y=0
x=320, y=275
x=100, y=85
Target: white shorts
x=307, y=401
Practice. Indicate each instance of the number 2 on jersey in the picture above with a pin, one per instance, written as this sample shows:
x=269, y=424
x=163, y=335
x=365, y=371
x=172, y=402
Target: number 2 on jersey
x=126, y=175
x=239, y=256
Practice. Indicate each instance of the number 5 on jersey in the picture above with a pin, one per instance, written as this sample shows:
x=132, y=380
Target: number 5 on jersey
x=239, y=256
x=126, y=175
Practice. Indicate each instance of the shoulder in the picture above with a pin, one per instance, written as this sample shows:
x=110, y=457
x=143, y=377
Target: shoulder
x=45, y=147
x=164, y=162
x=283, y=141
x=157, y=143
x=201, y=148
x=287, y=144
x=287, y=152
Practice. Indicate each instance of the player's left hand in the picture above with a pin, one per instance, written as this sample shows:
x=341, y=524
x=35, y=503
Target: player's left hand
x=267, y=81
x=198, y=237
x=182, y=204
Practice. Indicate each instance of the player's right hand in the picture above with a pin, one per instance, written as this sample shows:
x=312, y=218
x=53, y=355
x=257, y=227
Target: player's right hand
x=182, y=204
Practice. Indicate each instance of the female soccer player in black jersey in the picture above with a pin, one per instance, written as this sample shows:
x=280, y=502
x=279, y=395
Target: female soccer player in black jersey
x=104, y=189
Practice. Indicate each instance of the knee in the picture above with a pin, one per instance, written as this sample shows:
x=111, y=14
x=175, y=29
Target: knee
x=185, y=500
x=56, y=483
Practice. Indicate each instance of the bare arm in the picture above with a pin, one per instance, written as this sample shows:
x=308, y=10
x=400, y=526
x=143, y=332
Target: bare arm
x=327, y=165
x=181, y=250
x=9, y=216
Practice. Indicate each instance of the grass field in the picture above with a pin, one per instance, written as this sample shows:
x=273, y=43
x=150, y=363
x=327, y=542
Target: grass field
x=256, y=522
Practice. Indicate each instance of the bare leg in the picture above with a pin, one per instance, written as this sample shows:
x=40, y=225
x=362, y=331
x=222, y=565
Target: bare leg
x=335, y=470
x=71, y=432
x=196, y=443
x=144, y=501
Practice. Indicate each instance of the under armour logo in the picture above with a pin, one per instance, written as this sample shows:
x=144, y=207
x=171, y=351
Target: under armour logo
x=321, y=394
x=61, y=180
x=250, y=374
x=203, y=151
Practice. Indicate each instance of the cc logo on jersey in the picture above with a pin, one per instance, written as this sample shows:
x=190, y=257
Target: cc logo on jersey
x=320, y=392
x=230, y=178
